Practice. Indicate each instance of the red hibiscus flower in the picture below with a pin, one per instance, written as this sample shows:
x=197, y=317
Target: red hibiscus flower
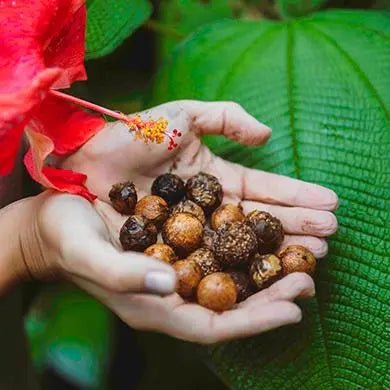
x=42, y=47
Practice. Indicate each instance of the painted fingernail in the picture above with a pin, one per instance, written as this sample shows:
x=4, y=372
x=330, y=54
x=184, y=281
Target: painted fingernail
x=158, y=282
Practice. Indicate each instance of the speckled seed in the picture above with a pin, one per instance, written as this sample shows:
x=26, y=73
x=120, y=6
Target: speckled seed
x=209, y=237
x=268, y=229
x=235, y=244
x=162, y=252
x=225, y=214
x=205, y=190
x=189, y=275
x=297, y=258
x=265, y=270
x=217, y=292
x=206, y=261
x=190, y=207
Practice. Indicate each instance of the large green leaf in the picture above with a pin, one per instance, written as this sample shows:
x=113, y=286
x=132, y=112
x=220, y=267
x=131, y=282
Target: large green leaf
x=322, y=83
x=110, y=22
x=185, y=16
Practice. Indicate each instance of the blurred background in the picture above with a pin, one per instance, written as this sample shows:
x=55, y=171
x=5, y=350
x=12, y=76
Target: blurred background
x=75, y=342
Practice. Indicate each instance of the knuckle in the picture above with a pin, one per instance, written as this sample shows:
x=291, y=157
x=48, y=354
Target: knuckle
x=235, y=106
x=114, y=279
x=295, y=196
x=274, y=292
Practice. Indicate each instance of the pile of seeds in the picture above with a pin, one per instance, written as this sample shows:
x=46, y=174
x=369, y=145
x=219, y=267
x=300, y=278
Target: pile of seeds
x=220, y=255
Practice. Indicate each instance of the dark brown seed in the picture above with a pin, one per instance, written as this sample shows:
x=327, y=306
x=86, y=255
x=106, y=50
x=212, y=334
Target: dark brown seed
x=243, y=284
x=235, y=244
x=170, y=187
x=154, y=208
x=123, y=197
x=206, y=261
x=268, y=229
x=189, y=275
x=265, y=270
x=190, y=207
x=297, y=258
x=217, y=292
x=205, y=190
x=137, y=234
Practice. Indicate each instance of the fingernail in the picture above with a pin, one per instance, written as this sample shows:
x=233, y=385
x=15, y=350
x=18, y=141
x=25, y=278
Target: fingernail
x=307, y=293
x=158, y=282
x=311, y=292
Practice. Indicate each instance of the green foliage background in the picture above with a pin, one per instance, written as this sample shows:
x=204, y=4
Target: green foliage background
x=322, y=83
x=314, y=81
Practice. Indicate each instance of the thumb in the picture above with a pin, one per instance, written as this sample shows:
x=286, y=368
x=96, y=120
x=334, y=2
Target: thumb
x=100, y=262
x=224, y=118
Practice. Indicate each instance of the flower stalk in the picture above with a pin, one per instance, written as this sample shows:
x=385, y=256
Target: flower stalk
x=150, y=130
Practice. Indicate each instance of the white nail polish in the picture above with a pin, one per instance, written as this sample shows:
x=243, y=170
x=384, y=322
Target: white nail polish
x=159, y=282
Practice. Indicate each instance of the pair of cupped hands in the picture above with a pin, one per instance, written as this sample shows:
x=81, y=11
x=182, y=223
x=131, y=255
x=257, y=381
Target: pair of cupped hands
x=75, y=240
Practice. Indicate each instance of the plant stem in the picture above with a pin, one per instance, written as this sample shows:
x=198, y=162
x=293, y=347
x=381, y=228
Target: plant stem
x=89, y=105
x=163, y=29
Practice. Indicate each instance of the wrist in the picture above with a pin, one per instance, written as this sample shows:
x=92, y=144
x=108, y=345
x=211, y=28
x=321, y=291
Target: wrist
x=13, y=219
x=22, y=256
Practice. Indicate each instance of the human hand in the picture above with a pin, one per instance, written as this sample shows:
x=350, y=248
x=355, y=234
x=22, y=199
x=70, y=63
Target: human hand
x=113, y=156
x=304, y=209
x=66, y=238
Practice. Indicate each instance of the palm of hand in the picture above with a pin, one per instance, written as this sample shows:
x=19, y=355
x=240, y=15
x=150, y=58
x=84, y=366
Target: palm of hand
x=113, y=156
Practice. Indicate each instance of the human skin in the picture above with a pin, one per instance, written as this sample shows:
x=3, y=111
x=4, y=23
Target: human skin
x=64, y=236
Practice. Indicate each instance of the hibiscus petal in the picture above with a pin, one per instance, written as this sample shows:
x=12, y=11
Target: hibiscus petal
x=67, y=49
x=61, y=180
x=65, y=124
x=42, y=45
x=15, y=110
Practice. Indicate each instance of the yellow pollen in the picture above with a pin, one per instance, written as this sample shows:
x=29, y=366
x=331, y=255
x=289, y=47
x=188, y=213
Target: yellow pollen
x=149, y=131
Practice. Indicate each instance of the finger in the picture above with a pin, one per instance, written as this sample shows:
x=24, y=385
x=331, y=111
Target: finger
x=318, y=246
x=88, y=253
x=224, y=118
x=120, y=272
x=298, y=220
x=81, y=244
x=140, y=311
x=195, y=323
x=295, y=285
x=277, y=189
x=192, y=322
x=112, y=219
